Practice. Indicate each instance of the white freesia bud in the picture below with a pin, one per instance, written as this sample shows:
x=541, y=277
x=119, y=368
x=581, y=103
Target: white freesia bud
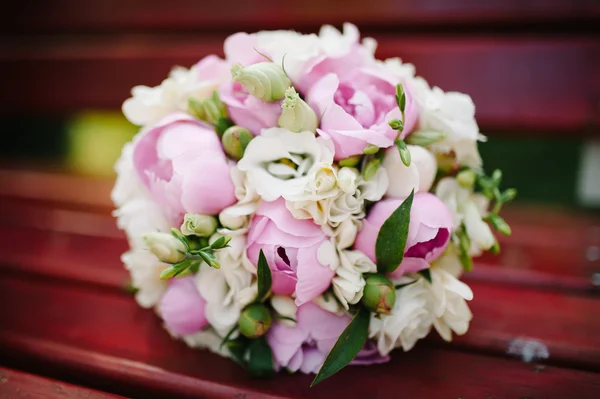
x=264, y=80
x=165, y=247
x=296, y=114
x=419, y=175
x=349, y=283
x=347, y=178
x=199, y=225
x=286, y=307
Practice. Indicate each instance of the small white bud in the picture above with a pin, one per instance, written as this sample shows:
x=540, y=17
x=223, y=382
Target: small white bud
x=198, y=225
x=296, y=115
x=264, y=80
x=347, y=178
x=165, y=247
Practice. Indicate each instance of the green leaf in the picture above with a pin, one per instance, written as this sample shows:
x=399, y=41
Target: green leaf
x=238, y=348
x=404, y=152
x=220, y=242
x=391, y=240
x=260, y=361
x=350, y=342
x=223, y=124
x=177, y=234
x=209, y=258
x=400, y=286
x=426, y=273
x=464, y=245
x=263, y=275
x=227, y=337
x=168, y=273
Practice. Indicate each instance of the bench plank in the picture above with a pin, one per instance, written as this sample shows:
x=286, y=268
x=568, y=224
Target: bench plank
x=84, y=333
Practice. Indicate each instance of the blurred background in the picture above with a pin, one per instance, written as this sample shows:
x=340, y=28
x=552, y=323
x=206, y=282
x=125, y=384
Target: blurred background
x=530, y=66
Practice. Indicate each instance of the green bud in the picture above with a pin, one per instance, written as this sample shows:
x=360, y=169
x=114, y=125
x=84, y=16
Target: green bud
x=255, y=321
x=264, y=80
x=371, y=168
x=404, y=152
x=210, y=110
x=400, y=97
x=235, y=140
x=499, y=224
x=198, y=225
x=379, y=294
x=425, y=137
x=466, y=178
x=370, y=149
x=508, y=195
x=220, y=242
x=165, y=247
x=350, y=161
x=209, y=258
x=495, y=248
x=396, y=124
x=296, y=114
x=497, y=177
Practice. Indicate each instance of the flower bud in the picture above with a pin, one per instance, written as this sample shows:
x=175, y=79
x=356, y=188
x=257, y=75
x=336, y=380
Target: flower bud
x=466, y=178
x=371, y=168
x=255, y=321
x=165, y=247
x=296, y=115
x=346, y=179
x=425, y=137
x=379, y=294
x=198, y=225
x=235, y=140
x=210, y=110
x=370, y=149
x=396, y=124
x=350, y=161
x=265, y=80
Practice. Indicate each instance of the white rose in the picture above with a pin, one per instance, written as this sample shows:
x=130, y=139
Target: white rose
x=220, y=287
x=150, y=104
x=348, y=284
x=238, y=215
x=410, y=321
x=469, y=208
x=145, y=270
x=451, y=113
x=419, y=175
x=282, y=163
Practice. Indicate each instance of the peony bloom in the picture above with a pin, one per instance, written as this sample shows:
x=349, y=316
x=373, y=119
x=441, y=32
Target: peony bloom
x=282, y=163
x=182, y=308
x=292, y=248
x=356, y=109
x=468, y=208
x=150, y=104
x=181, y=162
x=419, y=175
x=428, y=234
x=305, y=346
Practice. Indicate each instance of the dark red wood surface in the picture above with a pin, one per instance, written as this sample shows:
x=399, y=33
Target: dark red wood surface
x=73, y=15
x=52, y=325
x=16, y=384
x=526, y=75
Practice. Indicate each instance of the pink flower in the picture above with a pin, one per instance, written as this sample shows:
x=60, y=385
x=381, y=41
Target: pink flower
x=181, y=162
x=305, y=346
x=356, y=108
x=248, y=111
x=428, y=233
x=290, y=247
x=182, y=307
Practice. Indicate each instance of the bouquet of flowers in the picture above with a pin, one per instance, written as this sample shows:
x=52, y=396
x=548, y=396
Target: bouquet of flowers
x=302, y=205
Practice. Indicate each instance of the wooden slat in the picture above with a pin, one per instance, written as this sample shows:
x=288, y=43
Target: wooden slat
x=517, y=83
x=16, y=384
x=86, y=333
x=72, y=15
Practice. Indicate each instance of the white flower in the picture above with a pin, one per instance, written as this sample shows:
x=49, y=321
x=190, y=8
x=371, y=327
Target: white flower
x=451, y=113
x=238, y=215
x=349, y=283
x=373, y=189
x=149, y=104
x=220, y=287
x=282, y=163
x=419, y=175
x=127, y=186
x=450, y=309
x=208, y=339
x=296, y=114
x=327, y=302
x=469, y=208
x=410, y=321
x=165, y=246
x=145, y=270
x=403, y=70
x=286, y=307
x=344, y=234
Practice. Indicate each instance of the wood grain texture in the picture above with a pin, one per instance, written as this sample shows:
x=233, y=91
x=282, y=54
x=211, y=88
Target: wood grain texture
x=86, y=333
x=526, y=88
x=16, y=384
x=71, y=15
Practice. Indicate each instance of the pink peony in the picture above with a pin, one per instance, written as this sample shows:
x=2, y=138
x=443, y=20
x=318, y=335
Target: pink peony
x=248, y=111
x=181, y=162
x=428, y=233
x=290, y=247
x=182, y=307
x=356, y=108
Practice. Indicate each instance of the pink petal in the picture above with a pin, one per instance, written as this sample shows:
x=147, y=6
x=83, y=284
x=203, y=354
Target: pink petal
x=281, y=216
x=207, y=187
x=182, y=307
x=409, y=265
x=212, y=68
x=285, y=342
x=241, y=48
x=312, y=361
x=313, y=278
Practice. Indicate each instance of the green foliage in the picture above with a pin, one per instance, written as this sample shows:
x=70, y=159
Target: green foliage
x=391, y=240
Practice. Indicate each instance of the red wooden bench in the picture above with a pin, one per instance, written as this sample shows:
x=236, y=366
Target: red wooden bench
x=65, y=314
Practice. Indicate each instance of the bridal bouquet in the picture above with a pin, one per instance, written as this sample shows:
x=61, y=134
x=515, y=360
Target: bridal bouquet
x=301, y=205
